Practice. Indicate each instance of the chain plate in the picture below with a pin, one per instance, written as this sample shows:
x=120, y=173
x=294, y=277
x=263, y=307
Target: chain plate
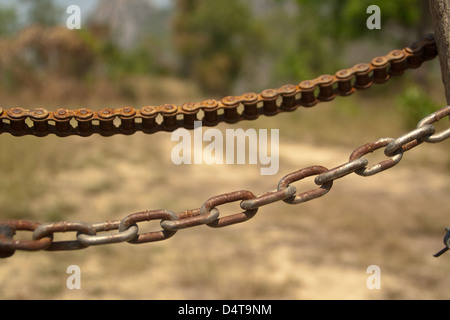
x=249, y=106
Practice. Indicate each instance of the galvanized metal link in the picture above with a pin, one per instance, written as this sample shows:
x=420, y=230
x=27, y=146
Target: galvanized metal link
x=162, y=215
x=341, y=171
x=49, y=229
x=300, y=175
x=412, y=138
x=189, y=219
x=432, y=118
x=212, y=203
x=381, y=166
x=268, y=198
x=95, y=240
x=446, y=243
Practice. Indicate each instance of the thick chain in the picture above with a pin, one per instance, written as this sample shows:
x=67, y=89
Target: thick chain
x=85, y=122
x=127, y=229
x=128, y=120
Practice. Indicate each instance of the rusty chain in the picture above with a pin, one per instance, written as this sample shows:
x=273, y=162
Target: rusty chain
x=150, y=119
x=344, y=82
x=209, y=214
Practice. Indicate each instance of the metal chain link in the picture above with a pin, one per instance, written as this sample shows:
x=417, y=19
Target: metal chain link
x=150, y=119
x=127, y=229
x=85, y=122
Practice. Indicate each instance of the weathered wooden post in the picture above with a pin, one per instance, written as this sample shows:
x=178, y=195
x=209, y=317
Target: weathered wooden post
x=440, y=12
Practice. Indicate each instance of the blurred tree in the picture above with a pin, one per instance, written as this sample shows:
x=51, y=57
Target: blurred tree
x=346, y=19
x=128, y=36
x=118, y=63
x=211, y=39
x=414, y=103
x=44, y=12
x=40, y=52
x=330, y=27
x=127, y=22
x=289, y=39
x=327, y=27
x=8, y=21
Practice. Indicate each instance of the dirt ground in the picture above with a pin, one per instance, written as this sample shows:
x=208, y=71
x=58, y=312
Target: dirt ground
x=317, y=250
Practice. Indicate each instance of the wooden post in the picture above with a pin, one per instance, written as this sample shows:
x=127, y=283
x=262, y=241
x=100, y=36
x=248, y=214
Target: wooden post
x=440, y=12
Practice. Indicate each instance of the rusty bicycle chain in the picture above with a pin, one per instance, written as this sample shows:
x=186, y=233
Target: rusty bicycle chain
x=208, y=214
x=150, y=119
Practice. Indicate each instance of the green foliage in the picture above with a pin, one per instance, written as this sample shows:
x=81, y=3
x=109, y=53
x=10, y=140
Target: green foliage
x=415, y=104
x=217, y=41
x=43, y=12
x=139, y=60
x=211, y=37
x=321, y=31
x=117, y=62
x=346, y=19
x=8, y=21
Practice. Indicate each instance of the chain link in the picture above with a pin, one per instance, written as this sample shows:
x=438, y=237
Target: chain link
x=446, y=242
x=150, y=119
x=381, y=166
x=345, y=82
x=208, y=214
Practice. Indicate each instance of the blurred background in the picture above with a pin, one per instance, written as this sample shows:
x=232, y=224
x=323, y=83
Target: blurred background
x=144, y=52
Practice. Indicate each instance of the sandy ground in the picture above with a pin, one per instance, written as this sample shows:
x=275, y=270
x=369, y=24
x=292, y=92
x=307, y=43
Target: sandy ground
x=318, y=250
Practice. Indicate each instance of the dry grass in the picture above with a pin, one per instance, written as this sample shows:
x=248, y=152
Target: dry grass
x=318, y=250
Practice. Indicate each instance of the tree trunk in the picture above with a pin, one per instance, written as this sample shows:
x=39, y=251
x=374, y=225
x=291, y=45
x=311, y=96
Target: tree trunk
x=440, y=12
